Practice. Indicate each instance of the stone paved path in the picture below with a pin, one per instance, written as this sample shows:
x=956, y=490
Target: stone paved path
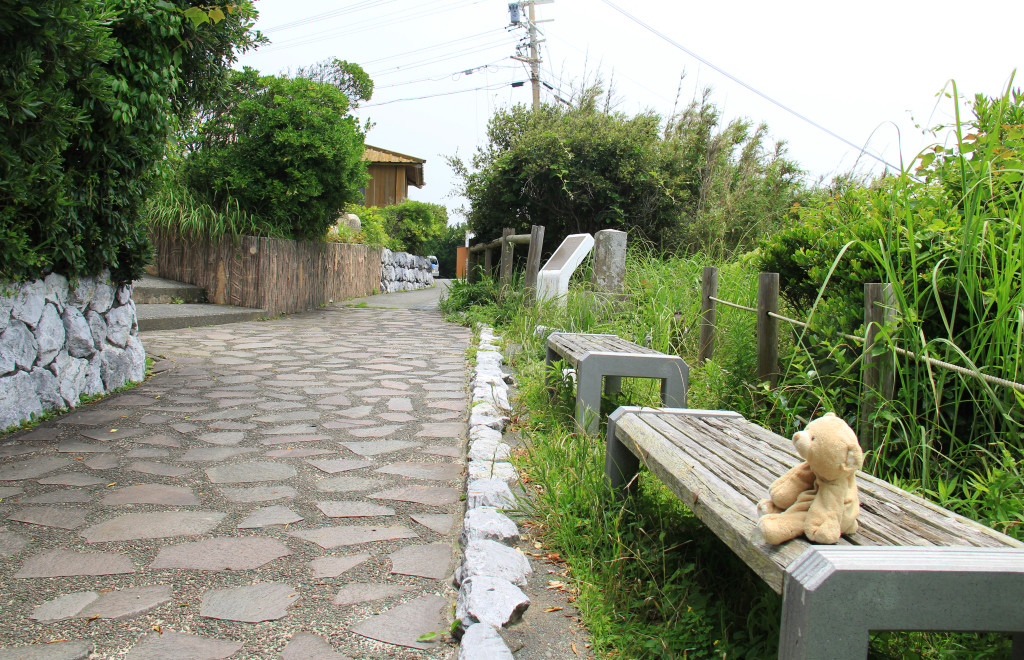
x=281, y=489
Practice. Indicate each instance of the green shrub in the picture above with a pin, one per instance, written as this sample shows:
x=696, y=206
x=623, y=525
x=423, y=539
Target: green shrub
x=685, y=183
x=90, y=94
x=288, y=150
x=949, y=240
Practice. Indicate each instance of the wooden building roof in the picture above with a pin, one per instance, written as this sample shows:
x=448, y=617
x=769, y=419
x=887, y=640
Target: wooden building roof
x=413, y=165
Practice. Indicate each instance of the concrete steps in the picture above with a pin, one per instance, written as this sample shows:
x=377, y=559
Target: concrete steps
x=167, y=305
x=156, y=290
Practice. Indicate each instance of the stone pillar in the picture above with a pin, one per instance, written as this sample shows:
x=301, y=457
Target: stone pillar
x=610, y=261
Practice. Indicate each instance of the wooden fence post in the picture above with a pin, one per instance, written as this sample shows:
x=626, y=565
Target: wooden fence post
x=878, y=372
x=533, y=261
x=505, y=268
x=767, y=329
x=488, y=263
x=471, y=273
x=708, y=289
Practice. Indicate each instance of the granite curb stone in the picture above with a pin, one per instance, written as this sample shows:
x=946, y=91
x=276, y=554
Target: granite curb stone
x=487, y=598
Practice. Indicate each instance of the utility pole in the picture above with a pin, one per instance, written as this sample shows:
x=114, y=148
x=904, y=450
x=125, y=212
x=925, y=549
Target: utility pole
x=534, y=59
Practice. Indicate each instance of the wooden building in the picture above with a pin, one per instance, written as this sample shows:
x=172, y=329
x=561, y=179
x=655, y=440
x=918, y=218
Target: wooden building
x=391, y=174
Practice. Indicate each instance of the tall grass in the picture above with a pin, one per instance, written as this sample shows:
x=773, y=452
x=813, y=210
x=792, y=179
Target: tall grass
x=653, y=582
x=173, y=208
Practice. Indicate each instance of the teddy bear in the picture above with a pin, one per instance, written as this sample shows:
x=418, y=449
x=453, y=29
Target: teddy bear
x=817, y=498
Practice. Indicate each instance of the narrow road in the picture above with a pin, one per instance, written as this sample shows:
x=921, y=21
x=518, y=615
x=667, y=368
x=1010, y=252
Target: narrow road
x=281, y=489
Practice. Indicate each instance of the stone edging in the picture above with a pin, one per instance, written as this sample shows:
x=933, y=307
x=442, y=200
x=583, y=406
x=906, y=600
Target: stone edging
x=492, y=570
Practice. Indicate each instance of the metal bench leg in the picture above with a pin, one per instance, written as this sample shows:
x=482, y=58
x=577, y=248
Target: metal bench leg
x=673, y=392
x=588, y=399
x=834, y=595
x=621, y=466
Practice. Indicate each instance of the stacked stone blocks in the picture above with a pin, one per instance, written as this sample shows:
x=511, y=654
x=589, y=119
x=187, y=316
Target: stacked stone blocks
x=493, y=570
x=60, y=342
x=401, y=271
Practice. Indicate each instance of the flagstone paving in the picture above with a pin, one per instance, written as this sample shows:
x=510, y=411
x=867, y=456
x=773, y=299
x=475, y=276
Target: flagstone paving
x=280, y=489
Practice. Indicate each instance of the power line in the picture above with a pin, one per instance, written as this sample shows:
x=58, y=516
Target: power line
x=436, y=60
x=366, y=63
x=430, y=96
x=329, y=14
x=366, y=25
x=736, y=80
x=464, y=71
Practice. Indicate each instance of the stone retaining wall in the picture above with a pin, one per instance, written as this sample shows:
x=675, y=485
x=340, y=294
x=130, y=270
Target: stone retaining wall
x=60, y=342
x=401, y=271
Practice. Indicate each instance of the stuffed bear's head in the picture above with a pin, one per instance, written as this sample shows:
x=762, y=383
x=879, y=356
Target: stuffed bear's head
x=830, y=446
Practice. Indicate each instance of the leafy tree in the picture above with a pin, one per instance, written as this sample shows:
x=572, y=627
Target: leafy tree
x=91, y=91
x=444, y=248
x=573, y=170
x=415, y=225
x=348, y=77
x=288, y=150
x=684, y=183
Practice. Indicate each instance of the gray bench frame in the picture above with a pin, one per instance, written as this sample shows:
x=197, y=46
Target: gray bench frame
x=833, y=596
x=607, y=359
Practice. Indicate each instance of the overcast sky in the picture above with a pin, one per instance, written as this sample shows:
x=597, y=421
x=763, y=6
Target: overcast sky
x=866, y=71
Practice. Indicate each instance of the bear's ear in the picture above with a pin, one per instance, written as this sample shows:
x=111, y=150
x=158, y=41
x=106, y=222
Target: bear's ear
x=829, y=414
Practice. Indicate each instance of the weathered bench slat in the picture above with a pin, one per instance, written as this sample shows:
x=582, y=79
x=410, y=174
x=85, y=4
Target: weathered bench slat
x=729, y=450
x=729, y=515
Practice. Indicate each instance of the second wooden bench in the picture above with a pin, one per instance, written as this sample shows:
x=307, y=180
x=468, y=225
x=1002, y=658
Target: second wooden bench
x=607, y=359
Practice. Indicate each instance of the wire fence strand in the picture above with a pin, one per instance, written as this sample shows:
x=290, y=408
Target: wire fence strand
x=965, y=371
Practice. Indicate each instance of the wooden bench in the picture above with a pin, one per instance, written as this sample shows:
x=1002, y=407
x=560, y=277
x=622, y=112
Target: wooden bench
x=607, y=359
x=912, y=566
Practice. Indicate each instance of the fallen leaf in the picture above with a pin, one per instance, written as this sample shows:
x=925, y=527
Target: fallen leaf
x=113, y=430
x=557, y=584
x=553, y=609
x=537, y=545
x=427, y=637
x=573, y=645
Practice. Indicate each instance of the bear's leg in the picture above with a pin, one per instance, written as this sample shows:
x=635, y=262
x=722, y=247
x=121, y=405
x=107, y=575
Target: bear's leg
x=781, y=527
x=823, y=523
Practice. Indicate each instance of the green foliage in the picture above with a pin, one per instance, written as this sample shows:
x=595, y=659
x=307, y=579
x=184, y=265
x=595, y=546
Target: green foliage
x=173, y=208
x=288, y=150
x=681, y=183
x=348, y=77
x=90, y=94
x=950, y=242
x=372, y=230
x=654, y=583
x=443, y=246
x=411, y=226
